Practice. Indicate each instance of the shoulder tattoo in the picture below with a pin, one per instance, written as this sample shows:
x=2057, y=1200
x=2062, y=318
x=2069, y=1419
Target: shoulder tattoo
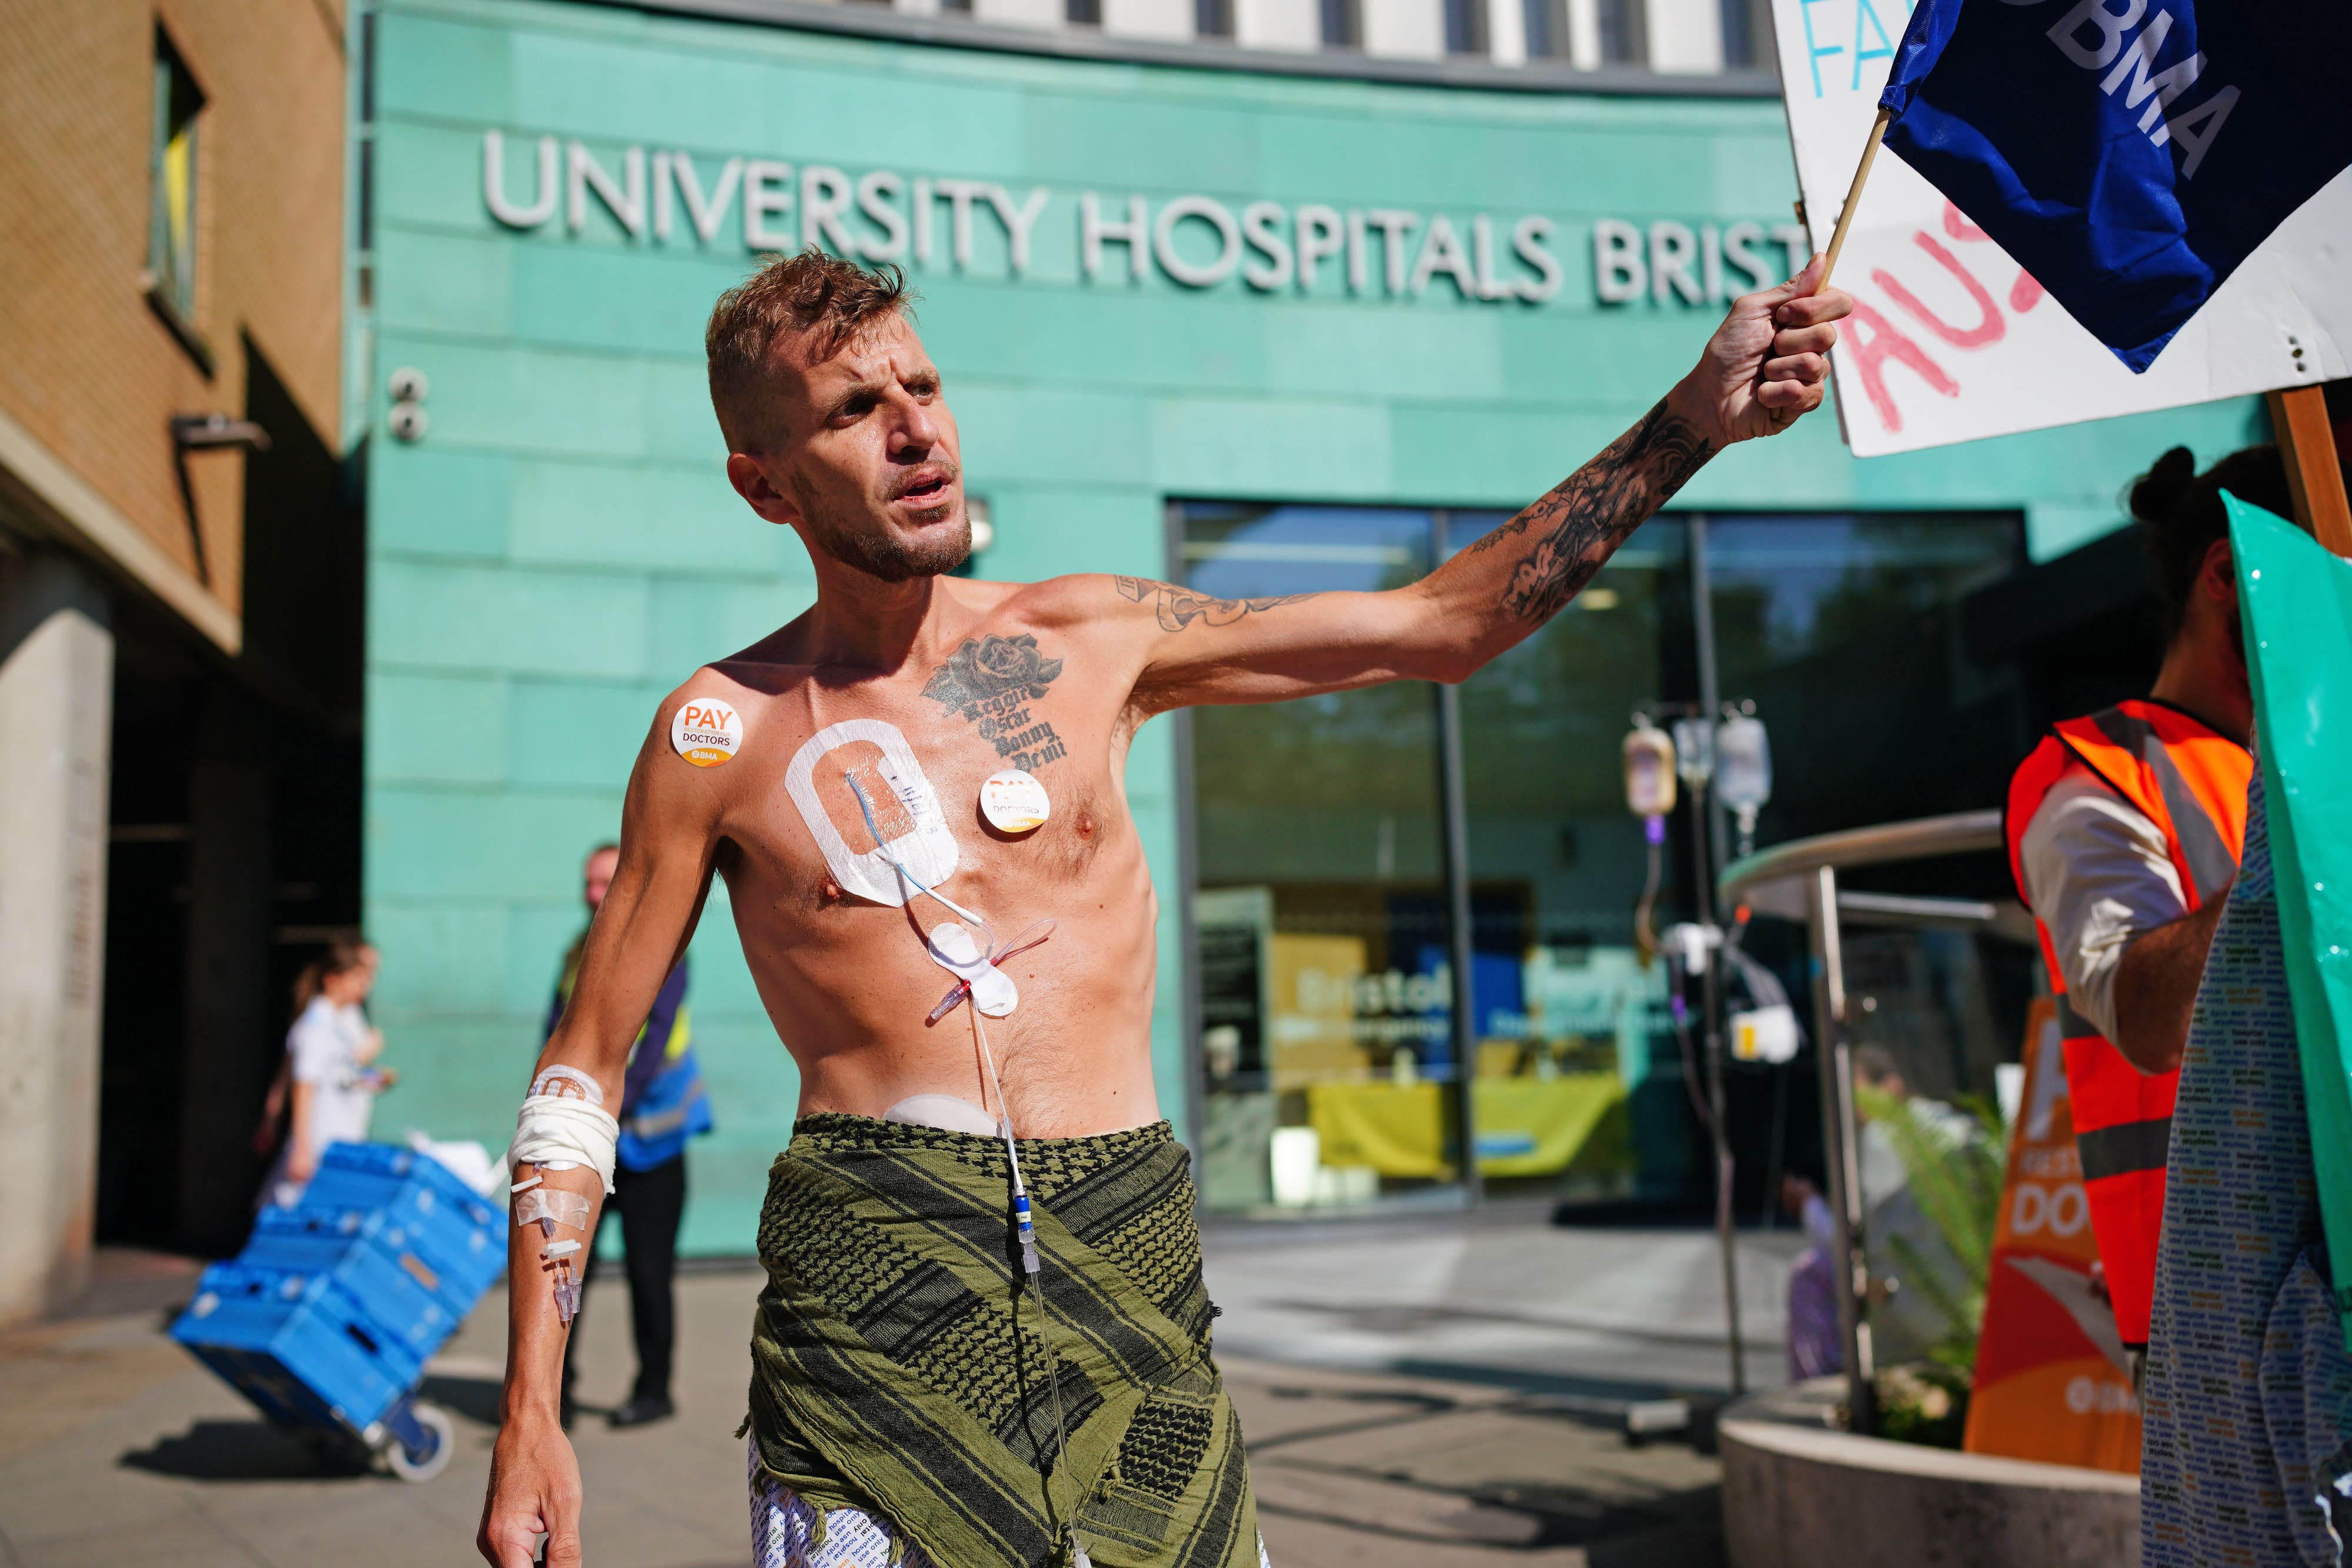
x=991, y=682
x=1180, y=607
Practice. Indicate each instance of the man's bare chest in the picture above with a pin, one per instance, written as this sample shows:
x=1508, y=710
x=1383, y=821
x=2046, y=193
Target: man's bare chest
x=839, y=790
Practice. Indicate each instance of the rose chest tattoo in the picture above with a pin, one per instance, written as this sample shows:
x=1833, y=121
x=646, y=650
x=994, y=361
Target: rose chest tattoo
x=1180, y=607
x=992, y=681
x=1590, y=513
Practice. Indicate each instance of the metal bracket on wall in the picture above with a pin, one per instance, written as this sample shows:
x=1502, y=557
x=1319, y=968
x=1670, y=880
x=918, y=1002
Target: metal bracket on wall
x=207, y=432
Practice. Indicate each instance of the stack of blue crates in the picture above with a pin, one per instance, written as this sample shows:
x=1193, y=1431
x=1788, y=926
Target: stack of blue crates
x=328, y=1315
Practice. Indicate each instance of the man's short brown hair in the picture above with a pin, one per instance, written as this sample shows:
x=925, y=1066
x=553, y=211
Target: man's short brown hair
x=813, y=292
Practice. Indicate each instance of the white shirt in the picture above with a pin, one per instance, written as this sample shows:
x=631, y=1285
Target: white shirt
x=2100, y=878
x=325, y=1044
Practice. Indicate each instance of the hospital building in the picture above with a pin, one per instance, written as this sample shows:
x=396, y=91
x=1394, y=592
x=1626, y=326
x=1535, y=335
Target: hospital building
x=1257, y=297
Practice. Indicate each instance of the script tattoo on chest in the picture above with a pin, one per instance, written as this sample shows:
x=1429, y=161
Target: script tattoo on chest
x=992, y=681
x=1180, y=607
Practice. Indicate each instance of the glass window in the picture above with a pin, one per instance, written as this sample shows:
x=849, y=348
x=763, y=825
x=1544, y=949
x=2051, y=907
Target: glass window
x=1843, y=629
x=1563, y=1004
x=1624, y=40
x=1343, y=24
x=1465, y=26
x=1212, y=18
x=172, y=169
x=1320, y=909
x=1083, y=13
x=1746, y=33
x=1548, y=30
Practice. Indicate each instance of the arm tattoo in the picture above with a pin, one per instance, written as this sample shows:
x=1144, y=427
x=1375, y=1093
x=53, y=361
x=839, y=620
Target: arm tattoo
x=1180, y=607
x=1590, y=513
x=992, y=681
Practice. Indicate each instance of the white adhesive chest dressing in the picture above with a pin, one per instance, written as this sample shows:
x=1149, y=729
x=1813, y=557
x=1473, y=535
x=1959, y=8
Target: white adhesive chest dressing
x=927, y=850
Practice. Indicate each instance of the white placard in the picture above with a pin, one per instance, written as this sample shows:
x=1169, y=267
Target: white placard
x=1950, y=341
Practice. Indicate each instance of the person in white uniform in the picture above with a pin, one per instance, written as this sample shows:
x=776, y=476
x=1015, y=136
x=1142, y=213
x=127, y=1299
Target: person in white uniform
x=329, y=1052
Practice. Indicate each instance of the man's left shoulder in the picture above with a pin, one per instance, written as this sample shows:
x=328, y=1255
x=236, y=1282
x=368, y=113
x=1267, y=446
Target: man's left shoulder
x=1076, y=602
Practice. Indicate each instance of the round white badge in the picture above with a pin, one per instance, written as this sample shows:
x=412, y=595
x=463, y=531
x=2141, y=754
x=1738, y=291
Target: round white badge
x=706, y=731
x=1014, y=802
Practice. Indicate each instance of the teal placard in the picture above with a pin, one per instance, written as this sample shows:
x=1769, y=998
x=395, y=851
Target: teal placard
x=2297, y=603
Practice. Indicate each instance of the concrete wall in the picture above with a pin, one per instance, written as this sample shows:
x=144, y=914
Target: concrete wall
x=563, y=546
x=56, y=686
x=1791, y=1485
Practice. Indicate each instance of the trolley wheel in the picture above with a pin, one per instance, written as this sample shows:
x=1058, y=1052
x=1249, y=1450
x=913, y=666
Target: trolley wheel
x=413, y=1459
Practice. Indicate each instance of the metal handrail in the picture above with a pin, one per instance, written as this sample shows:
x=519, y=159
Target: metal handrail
x=1961, y=832
x=1799, y=880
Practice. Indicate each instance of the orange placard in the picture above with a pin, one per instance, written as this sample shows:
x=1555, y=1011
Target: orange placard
x=2051, y=1379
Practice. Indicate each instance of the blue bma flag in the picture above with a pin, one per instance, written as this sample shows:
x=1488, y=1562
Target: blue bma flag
x=2130, y=155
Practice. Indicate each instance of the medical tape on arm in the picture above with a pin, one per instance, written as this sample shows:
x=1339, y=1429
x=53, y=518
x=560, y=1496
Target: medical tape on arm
x=551, y=1205
x=560, y=1132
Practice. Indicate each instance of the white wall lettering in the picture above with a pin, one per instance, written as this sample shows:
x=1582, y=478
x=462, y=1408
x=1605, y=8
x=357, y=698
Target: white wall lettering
x=666, y=196
x=523, y=216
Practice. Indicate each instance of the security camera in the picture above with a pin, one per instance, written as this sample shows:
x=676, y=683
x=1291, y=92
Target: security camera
x=409, y=385
x=408, y=421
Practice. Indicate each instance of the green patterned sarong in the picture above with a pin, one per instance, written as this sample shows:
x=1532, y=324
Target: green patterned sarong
x=898, y=1366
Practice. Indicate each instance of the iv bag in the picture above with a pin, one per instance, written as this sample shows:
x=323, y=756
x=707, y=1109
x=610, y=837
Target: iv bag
x=1693, y=750
x=1743, y=764
x=1649, y=771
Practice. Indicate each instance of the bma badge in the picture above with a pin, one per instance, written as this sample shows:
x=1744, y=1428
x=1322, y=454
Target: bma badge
x=706, y=731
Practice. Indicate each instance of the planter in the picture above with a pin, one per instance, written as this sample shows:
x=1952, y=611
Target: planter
x=1797, y=1493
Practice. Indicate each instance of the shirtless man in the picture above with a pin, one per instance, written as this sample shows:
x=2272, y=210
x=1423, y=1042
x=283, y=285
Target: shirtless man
x=839, y=429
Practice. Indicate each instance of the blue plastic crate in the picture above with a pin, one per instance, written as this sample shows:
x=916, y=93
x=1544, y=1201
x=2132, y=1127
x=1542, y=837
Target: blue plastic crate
x=405, y=1300
x=330, y=1315
x=411, y=1204
x=302, y=1346
x=453, y=1271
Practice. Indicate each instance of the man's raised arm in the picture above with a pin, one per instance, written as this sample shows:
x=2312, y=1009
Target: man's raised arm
x=668, y=836
x=1763, y=368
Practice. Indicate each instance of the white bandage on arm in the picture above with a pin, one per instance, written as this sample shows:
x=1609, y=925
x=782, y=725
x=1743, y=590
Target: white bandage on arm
x=561, y=1131
x=2100, y=878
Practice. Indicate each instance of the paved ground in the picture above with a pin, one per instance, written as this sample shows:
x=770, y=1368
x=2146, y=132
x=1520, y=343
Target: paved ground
x=1441, y=1393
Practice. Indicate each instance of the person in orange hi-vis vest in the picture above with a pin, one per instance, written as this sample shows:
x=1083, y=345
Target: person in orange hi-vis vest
x=2125, y=828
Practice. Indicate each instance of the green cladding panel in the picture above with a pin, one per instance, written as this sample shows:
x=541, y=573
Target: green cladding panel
x=561, y=548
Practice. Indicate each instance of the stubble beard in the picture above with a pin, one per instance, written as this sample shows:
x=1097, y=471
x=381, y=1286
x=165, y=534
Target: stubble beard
x=879, y=554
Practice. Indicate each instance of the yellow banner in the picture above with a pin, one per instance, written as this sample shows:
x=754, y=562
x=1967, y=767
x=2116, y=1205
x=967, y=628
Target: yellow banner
x=1527, y=1126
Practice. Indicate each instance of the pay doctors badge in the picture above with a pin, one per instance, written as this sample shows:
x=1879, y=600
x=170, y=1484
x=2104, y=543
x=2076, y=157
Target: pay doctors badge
x=706, y=731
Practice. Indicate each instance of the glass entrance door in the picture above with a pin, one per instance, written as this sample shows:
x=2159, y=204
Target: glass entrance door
x=1319, y=906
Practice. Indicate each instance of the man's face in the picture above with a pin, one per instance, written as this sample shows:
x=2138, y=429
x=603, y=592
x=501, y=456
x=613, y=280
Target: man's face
x=865, y=462
x=597, y=877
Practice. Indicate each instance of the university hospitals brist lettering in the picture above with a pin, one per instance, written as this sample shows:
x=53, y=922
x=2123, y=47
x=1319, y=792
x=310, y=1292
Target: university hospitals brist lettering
x=666, y=196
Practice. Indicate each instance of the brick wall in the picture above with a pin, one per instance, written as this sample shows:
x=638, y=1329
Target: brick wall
x=86, y=367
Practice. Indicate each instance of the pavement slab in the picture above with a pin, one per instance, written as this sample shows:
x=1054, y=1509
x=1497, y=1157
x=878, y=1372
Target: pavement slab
x=1442, y=1393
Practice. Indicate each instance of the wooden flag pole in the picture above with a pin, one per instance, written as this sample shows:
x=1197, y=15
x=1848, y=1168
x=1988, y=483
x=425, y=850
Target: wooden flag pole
x=1853, y=194
x=2315, y=478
